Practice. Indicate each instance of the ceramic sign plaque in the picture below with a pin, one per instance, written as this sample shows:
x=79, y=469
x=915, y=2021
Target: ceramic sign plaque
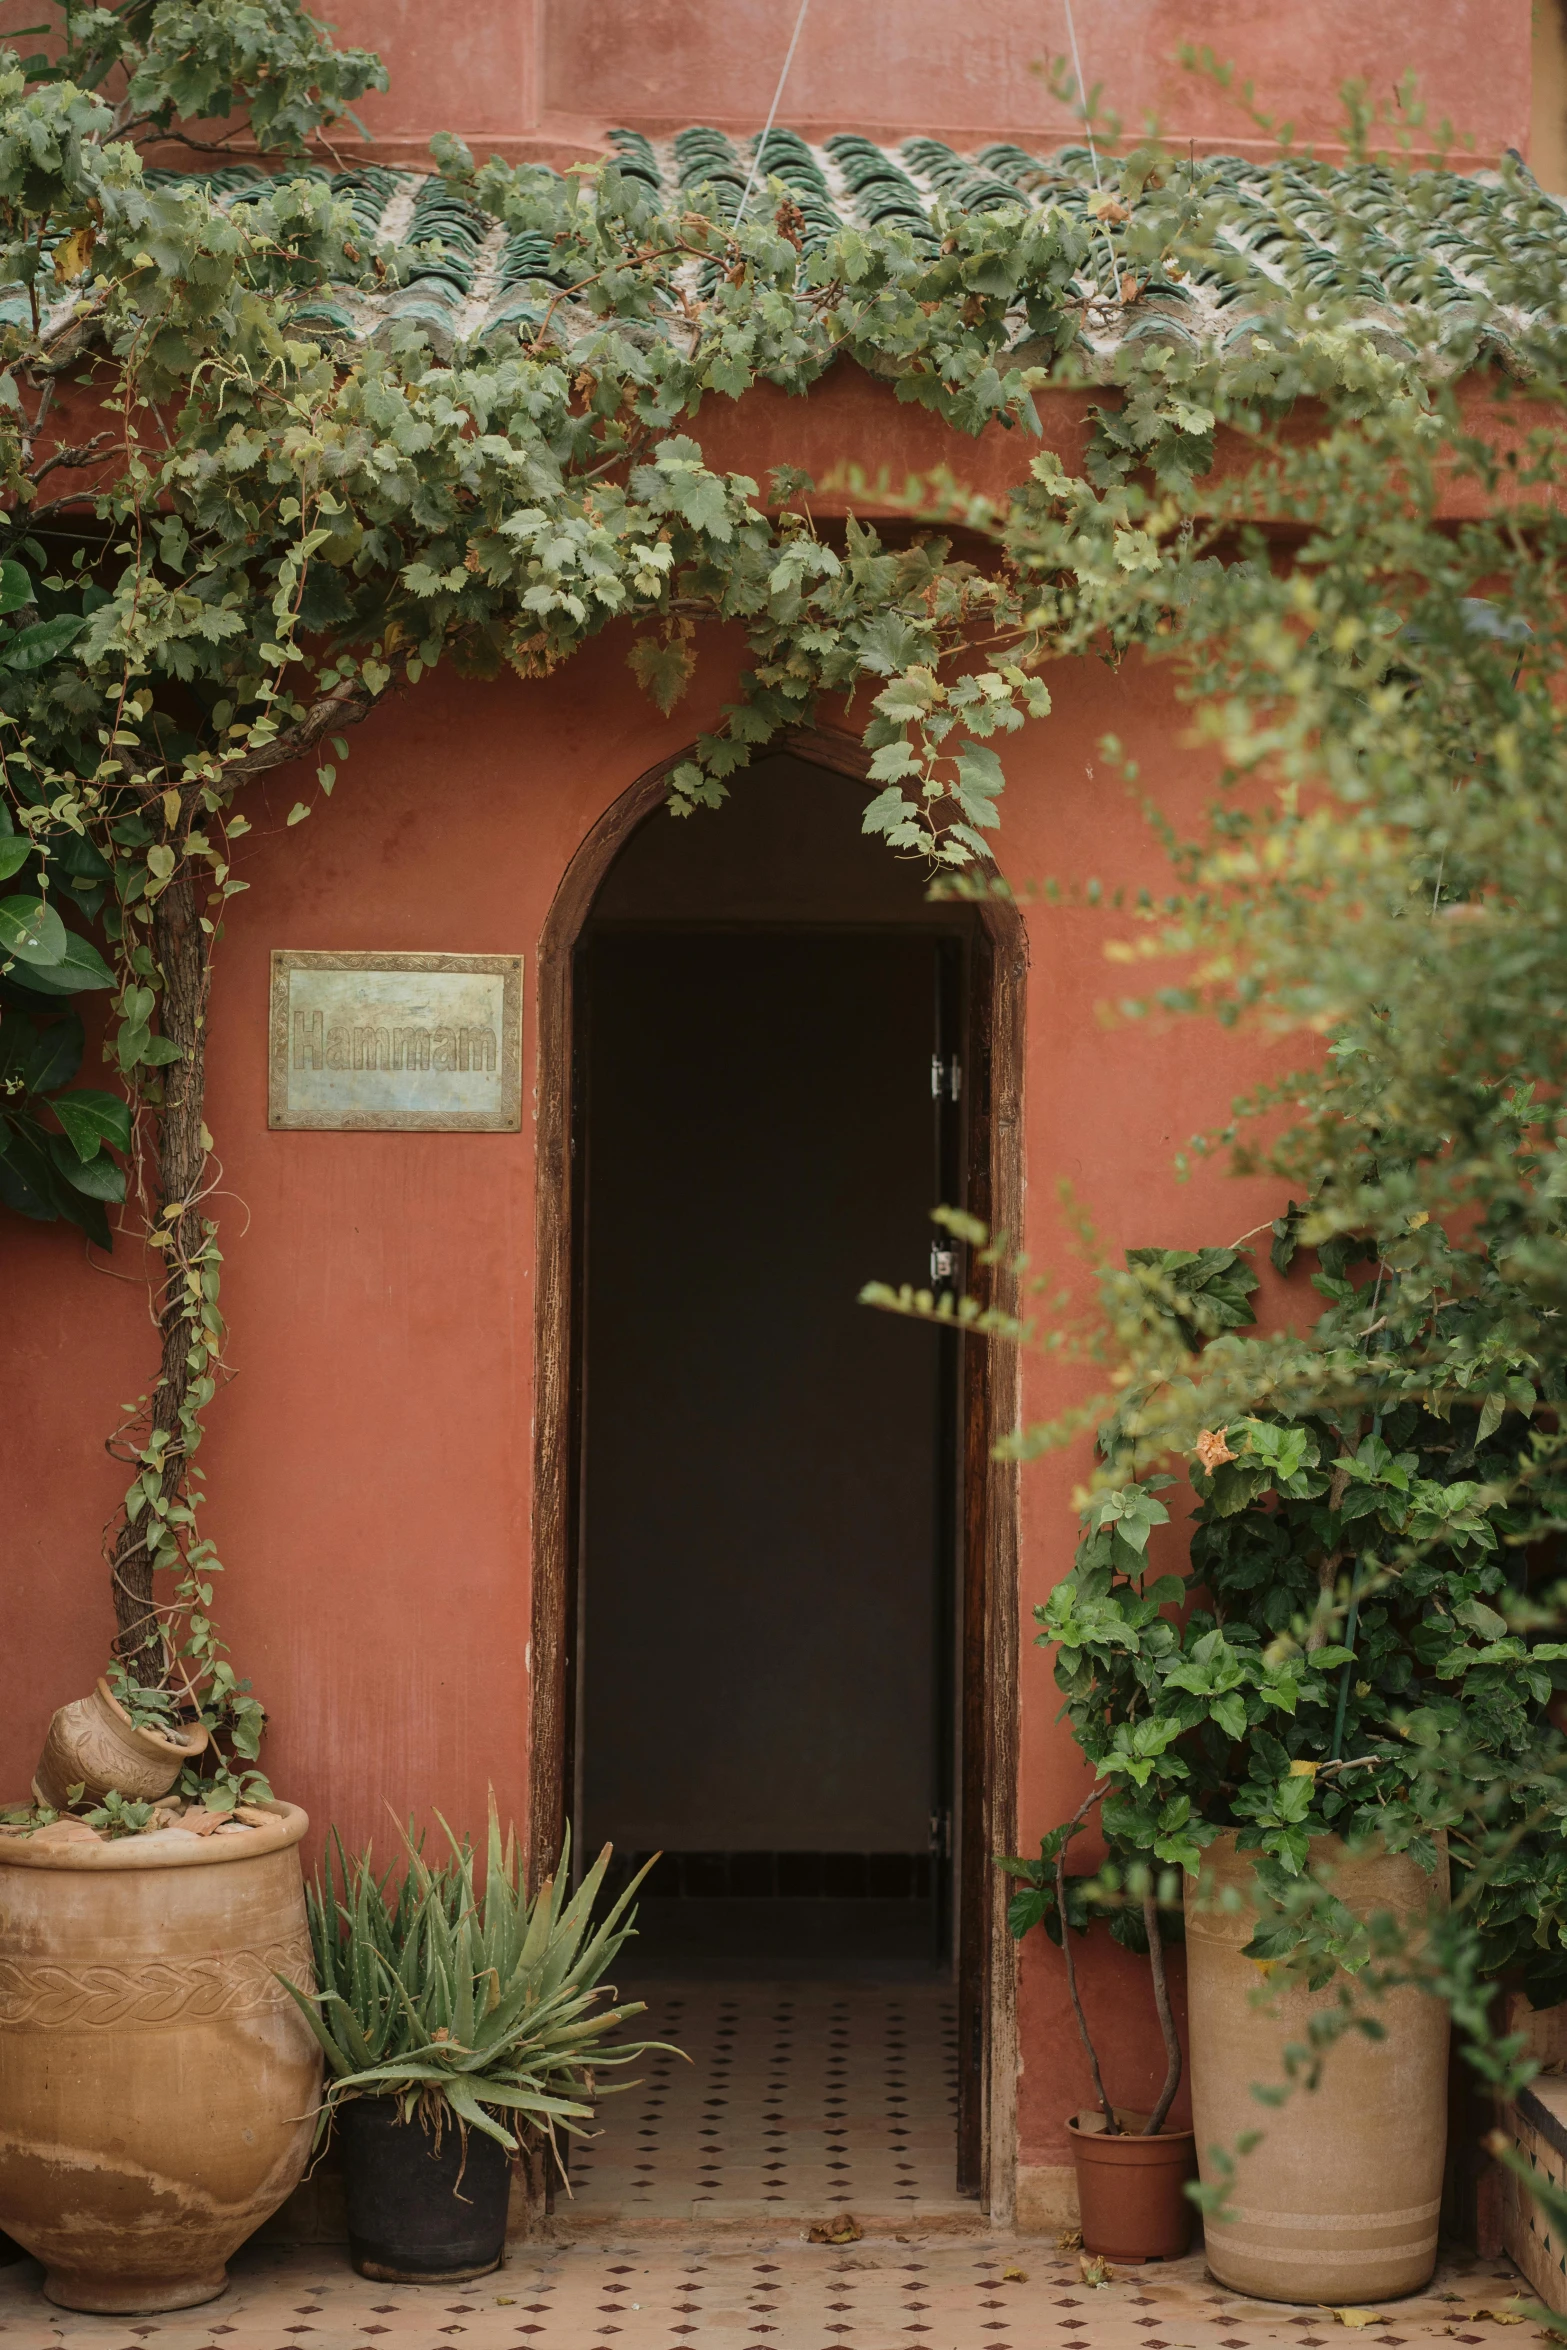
x=396, y=1041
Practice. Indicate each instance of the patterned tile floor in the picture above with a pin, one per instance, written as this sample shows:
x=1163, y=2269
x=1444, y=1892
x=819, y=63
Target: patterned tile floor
x=652, y=2292
x=798, y=2099
x=802, y=2103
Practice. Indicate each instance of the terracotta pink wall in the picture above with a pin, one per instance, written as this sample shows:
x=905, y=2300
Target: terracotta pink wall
x=548, y=77
x=370, y=1461
x=891, y=71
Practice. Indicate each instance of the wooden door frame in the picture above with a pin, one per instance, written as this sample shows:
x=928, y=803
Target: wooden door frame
x=987, y=1969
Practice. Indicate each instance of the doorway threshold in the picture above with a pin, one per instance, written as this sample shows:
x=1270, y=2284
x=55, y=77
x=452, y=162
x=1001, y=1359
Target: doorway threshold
x=790, y=2105
x=701, y=2221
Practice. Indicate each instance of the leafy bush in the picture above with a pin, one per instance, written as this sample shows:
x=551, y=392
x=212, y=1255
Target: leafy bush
x=1337, y=1658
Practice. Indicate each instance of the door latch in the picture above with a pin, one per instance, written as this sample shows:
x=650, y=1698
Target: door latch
x=943, y=1265
x=946, y=1078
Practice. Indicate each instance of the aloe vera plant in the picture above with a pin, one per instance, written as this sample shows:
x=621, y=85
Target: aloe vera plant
x=474, y=2009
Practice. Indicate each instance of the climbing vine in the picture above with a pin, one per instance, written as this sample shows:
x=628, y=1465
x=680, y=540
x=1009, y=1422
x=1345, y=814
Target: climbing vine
x=1360, y=1633
x=248, y=498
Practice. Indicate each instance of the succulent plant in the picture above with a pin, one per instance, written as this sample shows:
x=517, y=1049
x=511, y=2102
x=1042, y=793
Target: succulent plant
x=482, y=2009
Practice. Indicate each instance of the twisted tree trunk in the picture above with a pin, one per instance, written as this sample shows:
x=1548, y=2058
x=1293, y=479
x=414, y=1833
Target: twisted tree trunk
x=184, y=953
x=183, y=950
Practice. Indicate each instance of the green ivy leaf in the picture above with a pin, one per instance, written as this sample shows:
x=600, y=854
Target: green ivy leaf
x=25, y=1184
x=34, y=648
x=56, y=1057
x=90, y=1118
x=79, y=969
x=1230, y=1714
x=31, y=930
x=663, y=667
x=96, y=1177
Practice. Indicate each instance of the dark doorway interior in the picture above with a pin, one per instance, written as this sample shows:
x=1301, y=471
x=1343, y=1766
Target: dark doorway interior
x=767, y=1606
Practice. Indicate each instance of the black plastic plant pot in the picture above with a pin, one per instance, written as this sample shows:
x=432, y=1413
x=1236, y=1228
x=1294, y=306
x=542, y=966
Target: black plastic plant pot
x=410, y=2222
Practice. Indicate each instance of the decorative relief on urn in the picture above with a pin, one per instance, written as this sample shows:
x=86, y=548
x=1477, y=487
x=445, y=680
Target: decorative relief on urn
x=94, y=1743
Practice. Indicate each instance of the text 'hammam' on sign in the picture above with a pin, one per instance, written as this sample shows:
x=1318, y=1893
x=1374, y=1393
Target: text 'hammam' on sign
x=371, y=1046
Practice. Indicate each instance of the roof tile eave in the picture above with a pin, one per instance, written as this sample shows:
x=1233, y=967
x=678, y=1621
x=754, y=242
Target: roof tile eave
x=1429, y=250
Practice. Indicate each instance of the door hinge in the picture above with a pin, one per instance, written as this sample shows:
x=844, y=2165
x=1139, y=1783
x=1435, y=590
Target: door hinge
x=946, y=1078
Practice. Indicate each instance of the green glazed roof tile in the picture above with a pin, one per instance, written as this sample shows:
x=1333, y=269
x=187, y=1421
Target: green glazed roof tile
x=1244, y=236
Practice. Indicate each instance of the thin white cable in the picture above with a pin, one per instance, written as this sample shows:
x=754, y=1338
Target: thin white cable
x=1088, y=130
x=1082, y=92
x=772, y=114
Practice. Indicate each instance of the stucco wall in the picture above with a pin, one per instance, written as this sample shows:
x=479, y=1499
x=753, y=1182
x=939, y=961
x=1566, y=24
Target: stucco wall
x=370, y=1462
x=549, y=77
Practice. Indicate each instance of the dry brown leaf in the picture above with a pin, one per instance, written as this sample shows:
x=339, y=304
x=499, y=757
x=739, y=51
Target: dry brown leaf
x=1496, y=2317
x=72, y=254
x=1213, y=1448
x=1070, y=2240
x=842, y=2230
x=1358, y=2317
x=1095, y=2269
x=1014, y=2276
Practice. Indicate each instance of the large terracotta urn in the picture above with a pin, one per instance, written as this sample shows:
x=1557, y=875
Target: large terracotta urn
x=157, y=2082
x=1339, y=2202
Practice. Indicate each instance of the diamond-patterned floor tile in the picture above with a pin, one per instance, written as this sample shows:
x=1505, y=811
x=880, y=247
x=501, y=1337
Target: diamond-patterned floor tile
x=659, y=2290
x=796, y=2094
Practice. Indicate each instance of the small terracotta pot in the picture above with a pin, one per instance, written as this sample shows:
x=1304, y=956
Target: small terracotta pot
x=1131, y=2190
x=94, y=1741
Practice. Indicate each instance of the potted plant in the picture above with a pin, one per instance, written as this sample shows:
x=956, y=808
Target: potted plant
x=1301, y=1720
x=155, y=2073
x=134, y=1744
x=457, y=2025
x=1131, y=2169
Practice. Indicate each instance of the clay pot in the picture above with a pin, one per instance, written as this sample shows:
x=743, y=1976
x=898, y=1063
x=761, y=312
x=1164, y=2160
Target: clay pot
x=1339, y=2202
x=157, y=2083
x=1131, y=2189
x=93, y=1740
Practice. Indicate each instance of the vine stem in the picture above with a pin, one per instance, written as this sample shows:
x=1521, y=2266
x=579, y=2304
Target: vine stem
x=1161, y=2000
x=1112, y=2126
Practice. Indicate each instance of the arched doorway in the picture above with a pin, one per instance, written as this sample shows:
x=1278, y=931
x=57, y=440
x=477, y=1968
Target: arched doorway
x=774, y=1600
